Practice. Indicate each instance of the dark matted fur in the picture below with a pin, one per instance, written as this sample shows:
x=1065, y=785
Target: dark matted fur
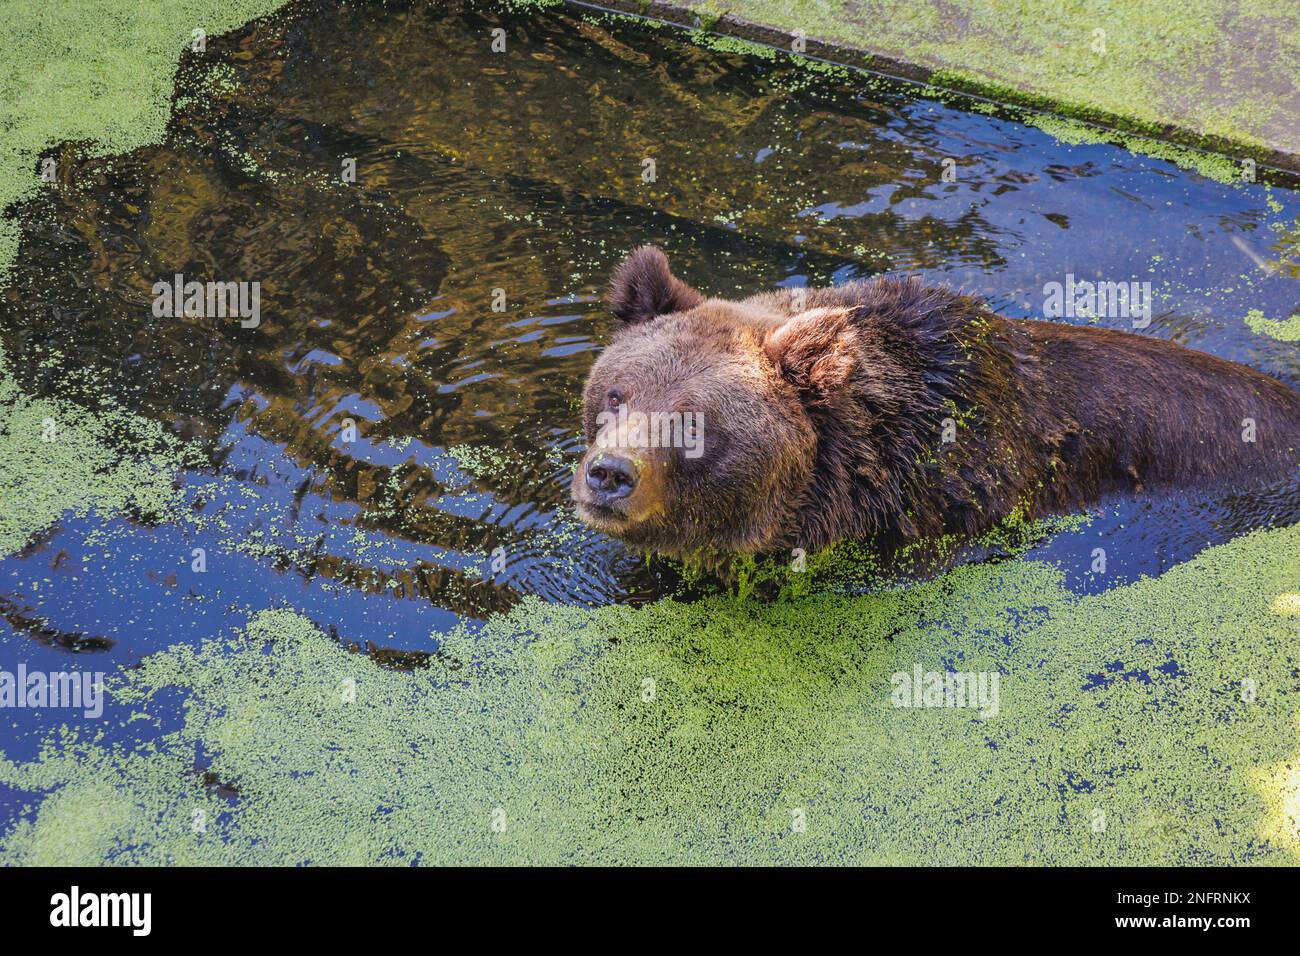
x=826, y=423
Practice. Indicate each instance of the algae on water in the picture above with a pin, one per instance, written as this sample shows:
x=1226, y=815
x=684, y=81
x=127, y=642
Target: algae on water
x=58, y=458
x=94, y=72
x=1222, y=169
x=1284, y=330
x=1154, y=723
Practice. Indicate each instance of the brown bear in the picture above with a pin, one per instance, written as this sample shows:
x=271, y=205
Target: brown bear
x=887, y=410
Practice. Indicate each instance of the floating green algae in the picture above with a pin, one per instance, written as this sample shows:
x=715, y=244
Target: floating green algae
x=1154, y=723
x=94, y=72
x=57, y=457
x=1222, y=169
x=719, y=731
x=98, y=73
x=1284, y=330
x=485, y=461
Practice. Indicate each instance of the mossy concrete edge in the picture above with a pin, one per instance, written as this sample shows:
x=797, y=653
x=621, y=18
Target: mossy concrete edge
x=945, y=81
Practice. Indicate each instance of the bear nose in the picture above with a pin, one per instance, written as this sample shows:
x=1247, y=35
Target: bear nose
x=611, y=476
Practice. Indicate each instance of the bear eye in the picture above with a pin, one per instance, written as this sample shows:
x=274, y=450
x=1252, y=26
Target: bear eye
x=692, y=440
x=614, y=398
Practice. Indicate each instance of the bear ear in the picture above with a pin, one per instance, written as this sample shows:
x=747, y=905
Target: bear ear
x=644, y=287
x=815, y=350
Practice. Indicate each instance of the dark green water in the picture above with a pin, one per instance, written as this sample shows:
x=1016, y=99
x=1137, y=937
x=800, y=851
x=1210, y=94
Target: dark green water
x=522, y=171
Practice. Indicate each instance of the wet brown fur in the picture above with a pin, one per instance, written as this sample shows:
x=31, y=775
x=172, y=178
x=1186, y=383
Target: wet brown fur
x=824, y=417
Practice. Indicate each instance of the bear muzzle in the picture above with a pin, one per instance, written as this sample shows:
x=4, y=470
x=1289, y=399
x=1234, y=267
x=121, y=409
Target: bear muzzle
x=611, y=477
x=615, y=488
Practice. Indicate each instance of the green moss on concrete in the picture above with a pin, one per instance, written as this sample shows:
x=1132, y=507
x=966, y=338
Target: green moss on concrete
x=1157, y=63
x=1155, y=723
x=1084, y=119
x=94, y=72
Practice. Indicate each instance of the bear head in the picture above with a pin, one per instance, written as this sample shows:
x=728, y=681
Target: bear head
x=701, y=415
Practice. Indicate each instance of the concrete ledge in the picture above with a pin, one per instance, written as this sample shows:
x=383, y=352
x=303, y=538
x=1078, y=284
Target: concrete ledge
x=1220, y=76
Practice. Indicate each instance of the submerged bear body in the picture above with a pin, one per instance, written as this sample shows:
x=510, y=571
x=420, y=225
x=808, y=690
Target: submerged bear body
x=891, y=411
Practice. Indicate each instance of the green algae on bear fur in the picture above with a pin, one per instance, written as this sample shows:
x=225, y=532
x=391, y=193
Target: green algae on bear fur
x=853, y=567
x=728, y=731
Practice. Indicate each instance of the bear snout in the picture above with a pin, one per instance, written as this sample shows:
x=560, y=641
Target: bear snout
x=611, y=477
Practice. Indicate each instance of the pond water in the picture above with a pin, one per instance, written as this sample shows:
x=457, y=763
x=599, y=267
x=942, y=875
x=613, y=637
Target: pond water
x=447, y=302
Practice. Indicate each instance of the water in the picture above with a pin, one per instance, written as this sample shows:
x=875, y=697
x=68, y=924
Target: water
x=522, y=172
